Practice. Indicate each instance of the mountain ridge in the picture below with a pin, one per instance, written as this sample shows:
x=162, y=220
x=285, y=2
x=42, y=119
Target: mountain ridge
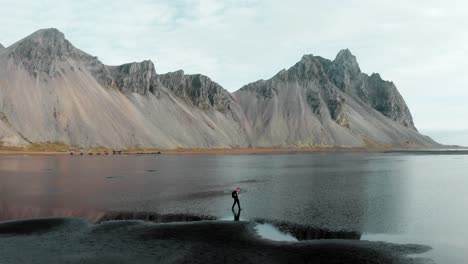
x=71, y=97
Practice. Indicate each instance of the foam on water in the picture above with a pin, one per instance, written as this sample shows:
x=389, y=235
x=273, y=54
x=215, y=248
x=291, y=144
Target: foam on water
x=270, y=232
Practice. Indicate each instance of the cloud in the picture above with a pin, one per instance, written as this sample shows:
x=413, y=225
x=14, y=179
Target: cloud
x=420, y=45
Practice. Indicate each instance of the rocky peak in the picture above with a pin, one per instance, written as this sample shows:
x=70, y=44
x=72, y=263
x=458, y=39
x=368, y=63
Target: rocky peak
x=198, y=89
x=310, y=67
x=344, y=71
x=310, y=60
x=50, y=41
x=136, y=77
x=47, y=36
x=40, y=50
x=347, y=60
x=132, y=68
x=385, y=98
x=376, y=76
x=173, y=77
x=345, y=55
x=1, y=46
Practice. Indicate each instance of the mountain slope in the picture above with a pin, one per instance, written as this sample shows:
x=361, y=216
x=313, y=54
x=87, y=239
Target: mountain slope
x=328, y=103
x=54, y=92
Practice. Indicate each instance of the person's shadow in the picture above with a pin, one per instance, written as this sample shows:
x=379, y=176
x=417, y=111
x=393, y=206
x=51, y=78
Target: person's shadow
x=236, y=215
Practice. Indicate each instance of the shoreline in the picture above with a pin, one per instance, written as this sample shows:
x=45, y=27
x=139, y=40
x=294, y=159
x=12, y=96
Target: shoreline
x=194, y=151
x=214, y=151
x=130, y=241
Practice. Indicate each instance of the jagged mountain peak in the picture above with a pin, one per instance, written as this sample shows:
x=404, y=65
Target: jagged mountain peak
x=198, y=89
x=311, y=59
x=1, y=46
x=180, y=74
x=347, y=59
x=47, y=34
x=128, y=68
x=343, y=58
x=307, y=57
x=310, y=67
x=136, y=77
x=377, y=76
x=66, y=95
x=40, y=51
x=51, y=41
x=345, y=54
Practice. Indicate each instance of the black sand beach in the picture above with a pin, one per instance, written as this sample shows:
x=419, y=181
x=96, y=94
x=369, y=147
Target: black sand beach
x=73, y=240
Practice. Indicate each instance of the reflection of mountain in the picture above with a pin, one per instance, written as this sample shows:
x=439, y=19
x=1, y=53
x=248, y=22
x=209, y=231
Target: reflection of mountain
x=54, y=92
x=358, y=192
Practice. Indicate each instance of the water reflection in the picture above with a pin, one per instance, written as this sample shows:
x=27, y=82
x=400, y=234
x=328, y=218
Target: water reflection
x=352, y=192
x=236, y=214
x=94, y=216
x=267, y=228
x=322, y=193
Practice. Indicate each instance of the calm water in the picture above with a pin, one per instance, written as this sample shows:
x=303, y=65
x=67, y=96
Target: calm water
x=402, y=198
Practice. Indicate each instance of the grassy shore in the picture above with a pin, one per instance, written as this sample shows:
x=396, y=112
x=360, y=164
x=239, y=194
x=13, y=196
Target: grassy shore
x=62, y=149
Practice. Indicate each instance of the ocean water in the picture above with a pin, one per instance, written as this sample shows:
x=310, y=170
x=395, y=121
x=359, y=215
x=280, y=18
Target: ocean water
x=394, y=197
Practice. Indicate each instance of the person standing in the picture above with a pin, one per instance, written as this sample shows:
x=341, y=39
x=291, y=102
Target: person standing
x=235, y=196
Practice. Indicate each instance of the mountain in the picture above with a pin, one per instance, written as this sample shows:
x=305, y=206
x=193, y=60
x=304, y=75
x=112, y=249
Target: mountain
x=54, y=92
x=328, y=103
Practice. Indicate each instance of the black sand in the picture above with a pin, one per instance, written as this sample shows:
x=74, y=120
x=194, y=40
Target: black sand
x=71, y=240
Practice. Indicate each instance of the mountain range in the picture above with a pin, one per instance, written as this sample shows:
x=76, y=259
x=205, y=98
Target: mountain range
x=52, y=91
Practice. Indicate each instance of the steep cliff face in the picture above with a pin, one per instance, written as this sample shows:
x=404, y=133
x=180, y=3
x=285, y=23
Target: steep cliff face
x=136, y=77
x=329, y=103
x=212, y=101
x=47, y=54
x=385, y=98
x=53, y=92
x=41, y=51
x=344, y=73
x=199, y=90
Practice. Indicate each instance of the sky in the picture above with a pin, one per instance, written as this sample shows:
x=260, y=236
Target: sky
x=420, y=45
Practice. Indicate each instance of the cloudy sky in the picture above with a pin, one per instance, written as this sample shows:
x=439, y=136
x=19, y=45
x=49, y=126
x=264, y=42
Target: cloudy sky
x=421, y=45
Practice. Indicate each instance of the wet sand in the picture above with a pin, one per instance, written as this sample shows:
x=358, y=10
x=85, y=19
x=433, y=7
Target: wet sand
x=73, y=240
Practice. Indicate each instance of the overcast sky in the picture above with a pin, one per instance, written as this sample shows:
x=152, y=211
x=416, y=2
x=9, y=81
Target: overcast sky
x=422, y=45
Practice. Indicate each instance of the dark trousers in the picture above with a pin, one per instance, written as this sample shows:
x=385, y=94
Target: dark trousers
x=236, y=201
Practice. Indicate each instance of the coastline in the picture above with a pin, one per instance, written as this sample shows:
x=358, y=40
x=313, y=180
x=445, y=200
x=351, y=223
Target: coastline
x=62, y=149
x=191, y=151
